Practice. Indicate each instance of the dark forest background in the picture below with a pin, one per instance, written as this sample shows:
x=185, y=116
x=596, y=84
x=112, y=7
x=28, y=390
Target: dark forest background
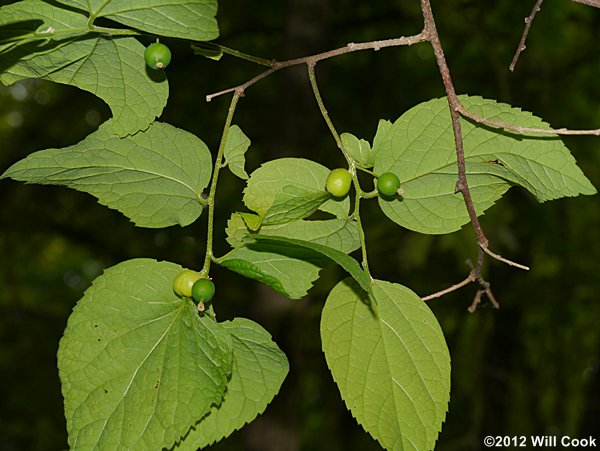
x=530, y=368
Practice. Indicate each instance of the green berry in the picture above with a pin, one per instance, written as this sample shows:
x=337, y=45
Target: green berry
x=388, y=184
x=203, y=290
x=338, y=182
x=157, y=56
x=183, y=283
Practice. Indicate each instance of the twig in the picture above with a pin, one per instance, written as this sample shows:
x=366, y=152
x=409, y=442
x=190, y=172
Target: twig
x=313, y=59
x=479, y=295
x=502, y=259
x=470, y=279
x=523, y=130
x=241, y=88
x=528, y=22
x=491, y=297
x=594, y=3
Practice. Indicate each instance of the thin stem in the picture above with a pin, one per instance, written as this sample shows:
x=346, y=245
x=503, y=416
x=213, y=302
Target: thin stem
x=594, y=3
x=522, y=130
x=115, y=31
x=241, y=88
x=504, y=260
x=51, y=33
x=352, y=167
x=351, y=47
x=213, y=186
x=528, y=22
x=470, y=279
x=369, y=194
x=338, y=140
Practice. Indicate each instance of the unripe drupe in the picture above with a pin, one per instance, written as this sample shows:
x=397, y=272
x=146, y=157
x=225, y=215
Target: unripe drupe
x=388, y=184
x=338, y=182
x=203, y=290
x=157, y=56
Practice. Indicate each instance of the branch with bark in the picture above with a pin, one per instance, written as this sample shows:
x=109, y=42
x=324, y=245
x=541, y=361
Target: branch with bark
x=457, y=110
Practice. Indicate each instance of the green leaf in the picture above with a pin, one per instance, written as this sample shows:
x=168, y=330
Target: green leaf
x=252, y=221
x=340, y=234
x=30, y=24
x=113, y=69
x=359, y=150
x=235, y=151
x=292, y=203
x=19, y=30
x=272, y=177
x=259, y=368
x=345, y=261
x=155, y=177
x=289, y=271
x=419, y=148
x=38, y=19
x=393, y=369
x=64, y=50
x=237, y=228
x=138, y=365
x=186, y=19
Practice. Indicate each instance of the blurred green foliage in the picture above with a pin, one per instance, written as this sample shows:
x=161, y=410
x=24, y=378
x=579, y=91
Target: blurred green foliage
x=532, y=367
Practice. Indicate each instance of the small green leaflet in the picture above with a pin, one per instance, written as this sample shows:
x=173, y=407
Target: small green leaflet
x=111, y=68
x=359, y=150
x=345, y=261
x=155, y=177
x=259, y=368
x=186, y=19
x=238, y=227
x=289, y=271
x=235, y=151
x=419, y=148
x=383, y=127
x=393, y=370
x=138, y=365
x=272, y=177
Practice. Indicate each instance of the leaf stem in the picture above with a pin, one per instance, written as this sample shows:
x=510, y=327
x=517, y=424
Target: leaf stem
x=213, y=186
x=115, y=31
x=51, y=33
